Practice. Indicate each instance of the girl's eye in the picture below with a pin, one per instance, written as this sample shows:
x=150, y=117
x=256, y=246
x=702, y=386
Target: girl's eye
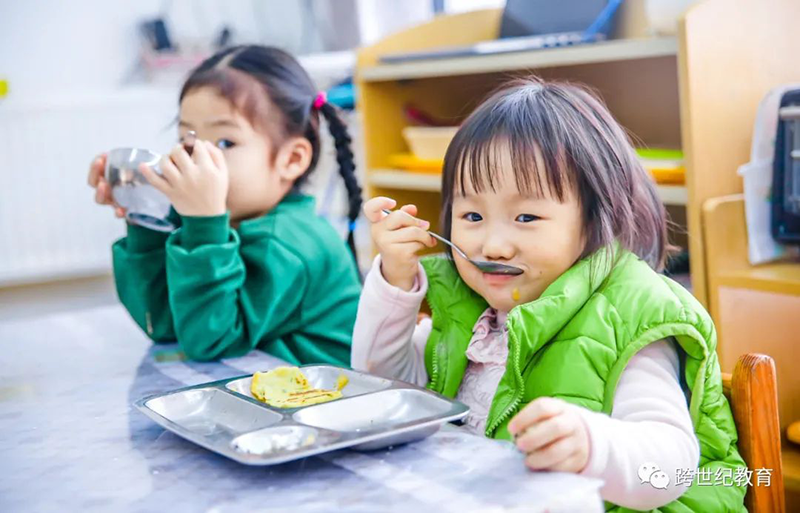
x=225, y=144
x=526, y=218
x=472, y=217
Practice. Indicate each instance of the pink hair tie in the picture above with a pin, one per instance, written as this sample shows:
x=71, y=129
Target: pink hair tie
x=320, y=100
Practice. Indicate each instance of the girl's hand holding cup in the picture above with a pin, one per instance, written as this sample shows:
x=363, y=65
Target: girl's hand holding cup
x=102, y=188
x=399, y=237
x=196, y=185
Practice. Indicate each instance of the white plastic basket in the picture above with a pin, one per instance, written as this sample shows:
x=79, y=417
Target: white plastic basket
x=757, y=176
x=429, y=142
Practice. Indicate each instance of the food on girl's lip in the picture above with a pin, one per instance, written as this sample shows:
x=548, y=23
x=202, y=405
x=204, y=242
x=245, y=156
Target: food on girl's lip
x=287, y=387
x=515, y=294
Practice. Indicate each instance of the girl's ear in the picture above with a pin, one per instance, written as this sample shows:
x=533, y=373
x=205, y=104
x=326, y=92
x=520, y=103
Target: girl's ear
x=293, y=158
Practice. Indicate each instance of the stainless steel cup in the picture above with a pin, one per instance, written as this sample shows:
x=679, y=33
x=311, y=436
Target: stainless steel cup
x=145, y=205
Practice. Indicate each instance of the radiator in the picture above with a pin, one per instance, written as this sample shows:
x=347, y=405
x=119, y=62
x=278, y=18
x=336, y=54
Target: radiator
x=50, y=227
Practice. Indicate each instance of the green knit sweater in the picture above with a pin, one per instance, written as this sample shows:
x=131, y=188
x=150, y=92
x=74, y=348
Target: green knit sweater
x=284, y=283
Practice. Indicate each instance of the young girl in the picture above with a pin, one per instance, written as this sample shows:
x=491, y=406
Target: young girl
x=590, y=360
x=251, y=266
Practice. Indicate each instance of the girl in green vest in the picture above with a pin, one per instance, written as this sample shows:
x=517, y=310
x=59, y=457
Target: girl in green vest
x=590, y=360
x=252, y=265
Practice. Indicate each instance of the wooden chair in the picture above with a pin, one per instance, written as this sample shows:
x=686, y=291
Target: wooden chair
x=752, y=392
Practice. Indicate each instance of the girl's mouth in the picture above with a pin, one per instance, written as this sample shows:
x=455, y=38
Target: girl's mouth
x=498, y=279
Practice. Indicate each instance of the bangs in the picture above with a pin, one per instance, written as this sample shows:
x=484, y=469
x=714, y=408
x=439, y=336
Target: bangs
x=512, y=134
x=246, y=95
x=558, y=139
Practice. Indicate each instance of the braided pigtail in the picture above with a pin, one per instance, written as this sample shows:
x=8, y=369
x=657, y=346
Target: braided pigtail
x=347, y=167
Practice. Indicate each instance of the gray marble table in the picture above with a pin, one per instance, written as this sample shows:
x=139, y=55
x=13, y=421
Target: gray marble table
x=70, y=440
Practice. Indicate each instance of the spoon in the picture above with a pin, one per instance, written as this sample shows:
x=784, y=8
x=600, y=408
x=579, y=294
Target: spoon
x=482, y=265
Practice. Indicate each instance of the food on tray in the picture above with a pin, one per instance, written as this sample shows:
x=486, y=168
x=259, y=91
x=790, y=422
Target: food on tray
x=287, y=387
x=341, y=381
x=281, y=439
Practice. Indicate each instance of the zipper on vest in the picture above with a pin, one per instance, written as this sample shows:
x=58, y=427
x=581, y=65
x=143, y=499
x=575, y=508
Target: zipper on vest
x=518, y=389
x=433, y=384
x=434, y=369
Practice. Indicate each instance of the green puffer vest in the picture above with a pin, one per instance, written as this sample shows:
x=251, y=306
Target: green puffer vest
x=574, y=342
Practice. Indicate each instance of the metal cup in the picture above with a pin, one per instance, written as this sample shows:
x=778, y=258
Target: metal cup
x=145, y=205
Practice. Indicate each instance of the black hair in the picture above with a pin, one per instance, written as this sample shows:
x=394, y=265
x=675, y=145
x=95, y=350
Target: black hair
x=562, y=140
x=253, y=78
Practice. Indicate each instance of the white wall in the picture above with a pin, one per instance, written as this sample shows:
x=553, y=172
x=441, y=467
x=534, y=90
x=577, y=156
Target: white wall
x=70, y=67
x=453, y=6
x=58, y=47
x=52, y=46
x=378, y=18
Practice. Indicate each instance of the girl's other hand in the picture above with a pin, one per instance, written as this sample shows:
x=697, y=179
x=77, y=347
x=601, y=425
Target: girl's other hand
x=97, y=180
x=196, y=185
x=399, y=236
x=552, y=434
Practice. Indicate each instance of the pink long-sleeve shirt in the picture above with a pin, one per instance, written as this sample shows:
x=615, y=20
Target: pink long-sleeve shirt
x=649, y=423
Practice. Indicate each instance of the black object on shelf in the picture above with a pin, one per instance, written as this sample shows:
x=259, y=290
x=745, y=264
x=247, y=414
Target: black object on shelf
x=786, y=171
x=677, y=263
x=156, y=33
x=532, y=25
x=224, y=38
x=523, y=18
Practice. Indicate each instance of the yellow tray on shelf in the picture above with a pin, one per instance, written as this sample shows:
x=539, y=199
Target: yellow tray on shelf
x=793, y=432
x=673, y=176
x=410, y=162
x=665, y=165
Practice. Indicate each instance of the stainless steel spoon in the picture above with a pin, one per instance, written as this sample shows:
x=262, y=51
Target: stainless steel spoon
x=482, y=265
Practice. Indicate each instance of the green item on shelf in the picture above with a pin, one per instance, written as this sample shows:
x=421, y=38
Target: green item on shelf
x=659, y=154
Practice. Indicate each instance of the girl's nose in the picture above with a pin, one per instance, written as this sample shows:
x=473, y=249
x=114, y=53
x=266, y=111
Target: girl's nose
x=498, y=245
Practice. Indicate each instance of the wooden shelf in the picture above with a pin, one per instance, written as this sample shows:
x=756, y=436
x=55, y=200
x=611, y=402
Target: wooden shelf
x=791, y=466
x=673, y=194
x=398, y=179
x=779, y=278
x=608, y=51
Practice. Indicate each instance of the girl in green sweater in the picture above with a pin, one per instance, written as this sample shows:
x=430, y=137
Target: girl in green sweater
x=589, y=359
x=251, y=265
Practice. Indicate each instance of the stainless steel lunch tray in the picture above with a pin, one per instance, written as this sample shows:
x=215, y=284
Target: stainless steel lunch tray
x=372, y=413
